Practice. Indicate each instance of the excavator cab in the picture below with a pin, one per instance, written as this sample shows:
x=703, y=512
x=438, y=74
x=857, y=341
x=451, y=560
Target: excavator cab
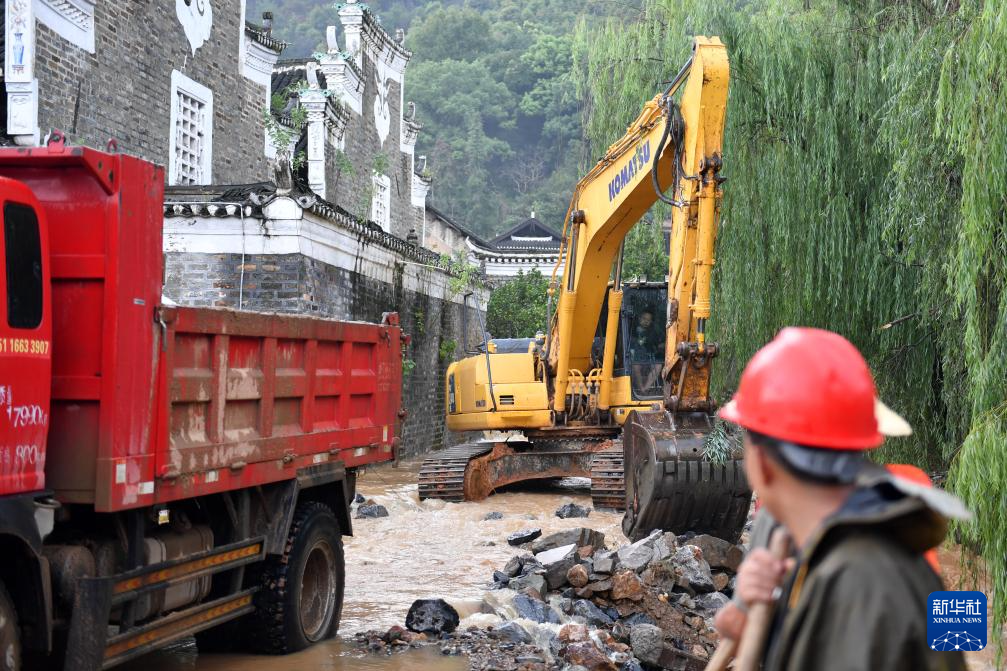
x=639, y=350
x=643, y=316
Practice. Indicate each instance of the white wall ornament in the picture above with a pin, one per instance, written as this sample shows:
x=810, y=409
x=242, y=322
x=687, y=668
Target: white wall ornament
x=314, y=102
x=73, y=20
x=19, y=72
x=382, y=112
x=196, y=17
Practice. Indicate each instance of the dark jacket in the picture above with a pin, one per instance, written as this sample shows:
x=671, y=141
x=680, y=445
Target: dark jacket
x=858, y=598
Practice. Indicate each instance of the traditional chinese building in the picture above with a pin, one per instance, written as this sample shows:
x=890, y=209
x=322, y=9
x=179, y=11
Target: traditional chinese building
x=531, y=245
x=189, y=85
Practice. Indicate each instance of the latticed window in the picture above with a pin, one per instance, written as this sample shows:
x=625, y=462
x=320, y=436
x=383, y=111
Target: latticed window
x=192, y=132
x=189, y=139
x=381, y=203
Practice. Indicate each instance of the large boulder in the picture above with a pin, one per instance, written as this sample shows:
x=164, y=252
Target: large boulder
x=626, y=585
x=535, y=581
x=647, y=642
x=534, y=610
x=523, y=536
x=605, y=562
x=572, y=510
x=719, y=553
x=371, y=510
x=557, y=563
x=432, y=616
x=638, y=618
x=579, y=536
x=711, y=602
x=577, y=575
x=513, y=567
x=665, y=546
x=692, y=570
x=721, y=581
x=513, y=632
x=637, y=555
x=592, y=615
x=587, y=655
x=573, y=633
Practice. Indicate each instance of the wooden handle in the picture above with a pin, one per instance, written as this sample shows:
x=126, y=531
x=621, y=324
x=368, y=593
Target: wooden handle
x=760, y=615
x=723, y=655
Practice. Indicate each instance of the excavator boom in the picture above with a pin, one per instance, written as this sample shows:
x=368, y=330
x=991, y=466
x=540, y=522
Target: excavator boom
x=566, y=400
x=668, y=146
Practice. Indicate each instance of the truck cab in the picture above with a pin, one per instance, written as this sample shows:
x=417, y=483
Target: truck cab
x=25, y=340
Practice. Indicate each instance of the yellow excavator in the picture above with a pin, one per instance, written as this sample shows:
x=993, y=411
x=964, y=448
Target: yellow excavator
x=607, y=395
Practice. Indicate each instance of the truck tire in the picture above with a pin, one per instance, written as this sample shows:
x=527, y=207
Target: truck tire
x=10, y=639
x=301, y=592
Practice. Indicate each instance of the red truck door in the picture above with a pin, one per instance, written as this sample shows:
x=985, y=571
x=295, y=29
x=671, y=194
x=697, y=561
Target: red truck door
x=25, y=340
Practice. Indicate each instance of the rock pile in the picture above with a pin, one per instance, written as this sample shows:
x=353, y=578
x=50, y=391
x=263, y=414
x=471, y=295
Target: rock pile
x=569, y=603
x=651, y=602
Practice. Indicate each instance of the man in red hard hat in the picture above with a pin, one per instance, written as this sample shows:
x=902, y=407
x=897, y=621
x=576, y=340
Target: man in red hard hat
x=856, y=596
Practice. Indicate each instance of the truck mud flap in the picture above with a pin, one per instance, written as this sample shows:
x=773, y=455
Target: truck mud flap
x=670, y=485
x=89, y=643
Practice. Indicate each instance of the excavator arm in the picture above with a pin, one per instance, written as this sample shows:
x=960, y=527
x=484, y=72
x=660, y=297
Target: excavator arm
x=562, y=412
x=674, y=146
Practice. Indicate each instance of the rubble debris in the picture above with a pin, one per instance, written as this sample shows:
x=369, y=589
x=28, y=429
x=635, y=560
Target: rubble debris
x=432, y=616
x=534, y=609
x=369, y=510
x=693, y=571
x=557, y=562
x=579, y=536
x=495, y=515
x=358, y=498
x=719, y=553
x=647, y=642
x=577, y=575
x=523, y=536
x=569, y=510
x=577, y=605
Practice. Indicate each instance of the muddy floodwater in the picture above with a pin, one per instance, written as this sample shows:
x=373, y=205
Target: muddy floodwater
x=422, y=549
x=427, y=549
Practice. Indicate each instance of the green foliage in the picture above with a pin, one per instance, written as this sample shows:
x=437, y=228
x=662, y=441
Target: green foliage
x=464, y=275
x=471, y=35
x=282, y=136
x=420, y=321
x=408, y=366
x=380, y=164
x=447, y=349
x=518, y=308
x=866, y=193
x=723, y=442
x=645, y=254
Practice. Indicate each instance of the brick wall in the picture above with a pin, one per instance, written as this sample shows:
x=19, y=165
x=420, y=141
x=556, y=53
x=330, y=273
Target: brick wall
x=297, y=284
x=362, y=148
x=124, y=87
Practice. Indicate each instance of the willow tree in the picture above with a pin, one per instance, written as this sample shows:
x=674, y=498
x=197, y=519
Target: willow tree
x=866, y=157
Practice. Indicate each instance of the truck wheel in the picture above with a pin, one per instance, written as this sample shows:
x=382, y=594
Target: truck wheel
x=301, y=593
x=10, y=640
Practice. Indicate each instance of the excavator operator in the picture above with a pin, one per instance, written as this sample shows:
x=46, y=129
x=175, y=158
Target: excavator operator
x=646, y=352
x=855, y=594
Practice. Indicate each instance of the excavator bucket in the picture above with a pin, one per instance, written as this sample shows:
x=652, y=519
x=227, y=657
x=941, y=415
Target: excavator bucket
x=670, y=484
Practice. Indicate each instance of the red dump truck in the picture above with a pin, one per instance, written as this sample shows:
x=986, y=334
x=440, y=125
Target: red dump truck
x=164, y=470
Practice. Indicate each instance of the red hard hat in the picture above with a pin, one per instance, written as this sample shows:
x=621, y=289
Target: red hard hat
x=811, y=387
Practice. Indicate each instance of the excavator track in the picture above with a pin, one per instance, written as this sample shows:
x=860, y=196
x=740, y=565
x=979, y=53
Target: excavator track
x=608, y=481
x=442, y=476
